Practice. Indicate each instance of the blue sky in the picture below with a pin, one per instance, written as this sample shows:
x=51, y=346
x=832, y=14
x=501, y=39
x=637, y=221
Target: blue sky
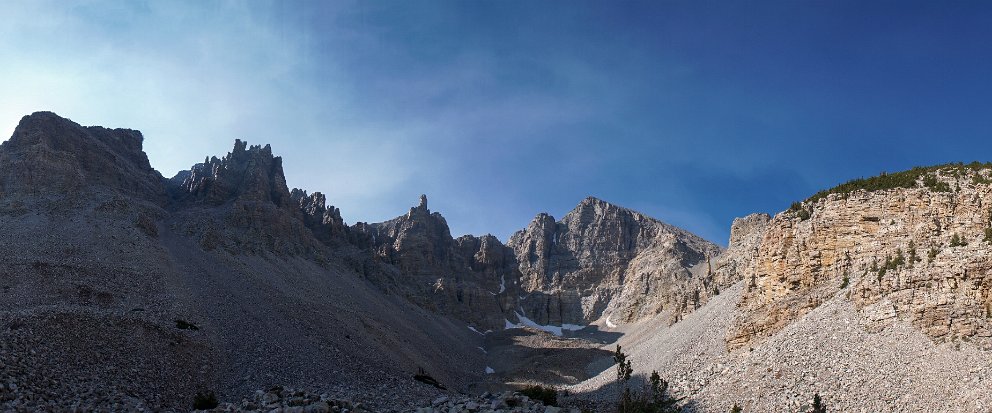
x=693, y=112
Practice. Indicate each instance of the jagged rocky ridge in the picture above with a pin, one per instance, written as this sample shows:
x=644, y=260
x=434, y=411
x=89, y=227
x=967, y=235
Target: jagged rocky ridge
x=241, y=203
x=605, y=261
x=600, y=261
x=471, y=278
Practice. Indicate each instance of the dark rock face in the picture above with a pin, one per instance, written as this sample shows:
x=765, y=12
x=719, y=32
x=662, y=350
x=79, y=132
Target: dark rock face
x=241, y=203
x=415, y=243
x=324, y=220
x=534, y=247
x=603, y=260
x=470, y=278
x=249, y=174
x=48, y=154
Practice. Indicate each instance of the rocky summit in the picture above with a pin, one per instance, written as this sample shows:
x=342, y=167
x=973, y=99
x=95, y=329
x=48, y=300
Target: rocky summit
x=602, y=261
x=122, y=290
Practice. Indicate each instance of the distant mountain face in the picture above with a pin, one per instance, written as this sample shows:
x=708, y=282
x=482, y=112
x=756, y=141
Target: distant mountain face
x=241, y=203
x=245, y=174
x=600, y=261
x=605, y=261
x=471, y=278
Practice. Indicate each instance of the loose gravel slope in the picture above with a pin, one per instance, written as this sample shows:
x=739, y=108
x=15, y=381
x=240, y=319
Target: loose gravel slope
x=831, y=351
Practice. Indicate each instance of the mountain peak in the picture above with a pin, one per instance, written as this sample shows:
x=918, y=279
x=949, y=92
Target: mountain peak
x=591, y=200
x=50, y=128
x=592, y=206
x=247, y=172
x=420, y=208
x=42, y=117
x=50, y=153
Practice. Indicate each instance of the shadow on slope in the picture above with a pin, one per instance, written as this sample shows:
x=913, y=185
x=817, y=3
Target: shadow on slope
x=520, y=357
x=288, y=320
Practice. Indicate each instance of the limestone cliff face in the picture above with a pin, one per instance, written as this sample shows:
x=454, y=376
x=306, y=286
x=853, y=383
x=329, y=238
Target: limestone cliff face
x=918, y=253
x=603, y=260
x=739, y=261
x=471, y=278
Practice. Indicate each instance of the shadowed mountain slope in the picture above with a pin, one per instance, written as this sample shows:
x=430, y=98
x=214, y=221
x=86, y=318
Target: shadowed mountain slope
x=114, y=287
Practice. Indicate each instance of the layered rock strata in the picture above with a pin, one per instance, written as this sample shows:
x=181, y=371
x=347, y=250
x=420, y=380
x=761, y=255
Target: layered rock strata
x=919, y=254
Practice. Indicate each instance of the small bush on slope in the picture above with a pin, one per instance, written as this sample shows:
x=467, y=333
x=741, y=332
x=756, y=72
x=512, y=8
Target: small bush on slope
x=653, y=399
x=818, y=405
x=545, y=395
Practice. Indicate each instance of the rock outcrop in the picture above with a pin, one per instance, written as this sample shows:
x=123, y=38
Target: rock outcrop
x=246, y=173
x=739, y=260
x=51, y=155
x=471, y=278
x=324, y=220
x=241, y=203
x=602, y=260
x=919, y=253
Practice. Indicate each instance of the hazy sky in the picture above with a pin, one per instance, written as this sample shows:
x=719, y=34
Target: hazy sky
x=693, y=112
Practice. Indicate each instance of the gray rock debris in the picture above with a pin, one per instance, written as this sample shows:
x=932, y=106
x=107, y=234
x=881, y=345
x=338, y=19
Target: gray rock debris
x=505, y=402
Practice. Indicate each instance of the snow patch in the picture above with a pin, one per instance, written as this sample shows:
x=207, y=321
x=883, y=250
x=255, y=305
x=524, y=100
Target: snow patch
x=483, y=350
x=476, y=331
x=489, y=370
x=556, y=330
x=609, y=323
